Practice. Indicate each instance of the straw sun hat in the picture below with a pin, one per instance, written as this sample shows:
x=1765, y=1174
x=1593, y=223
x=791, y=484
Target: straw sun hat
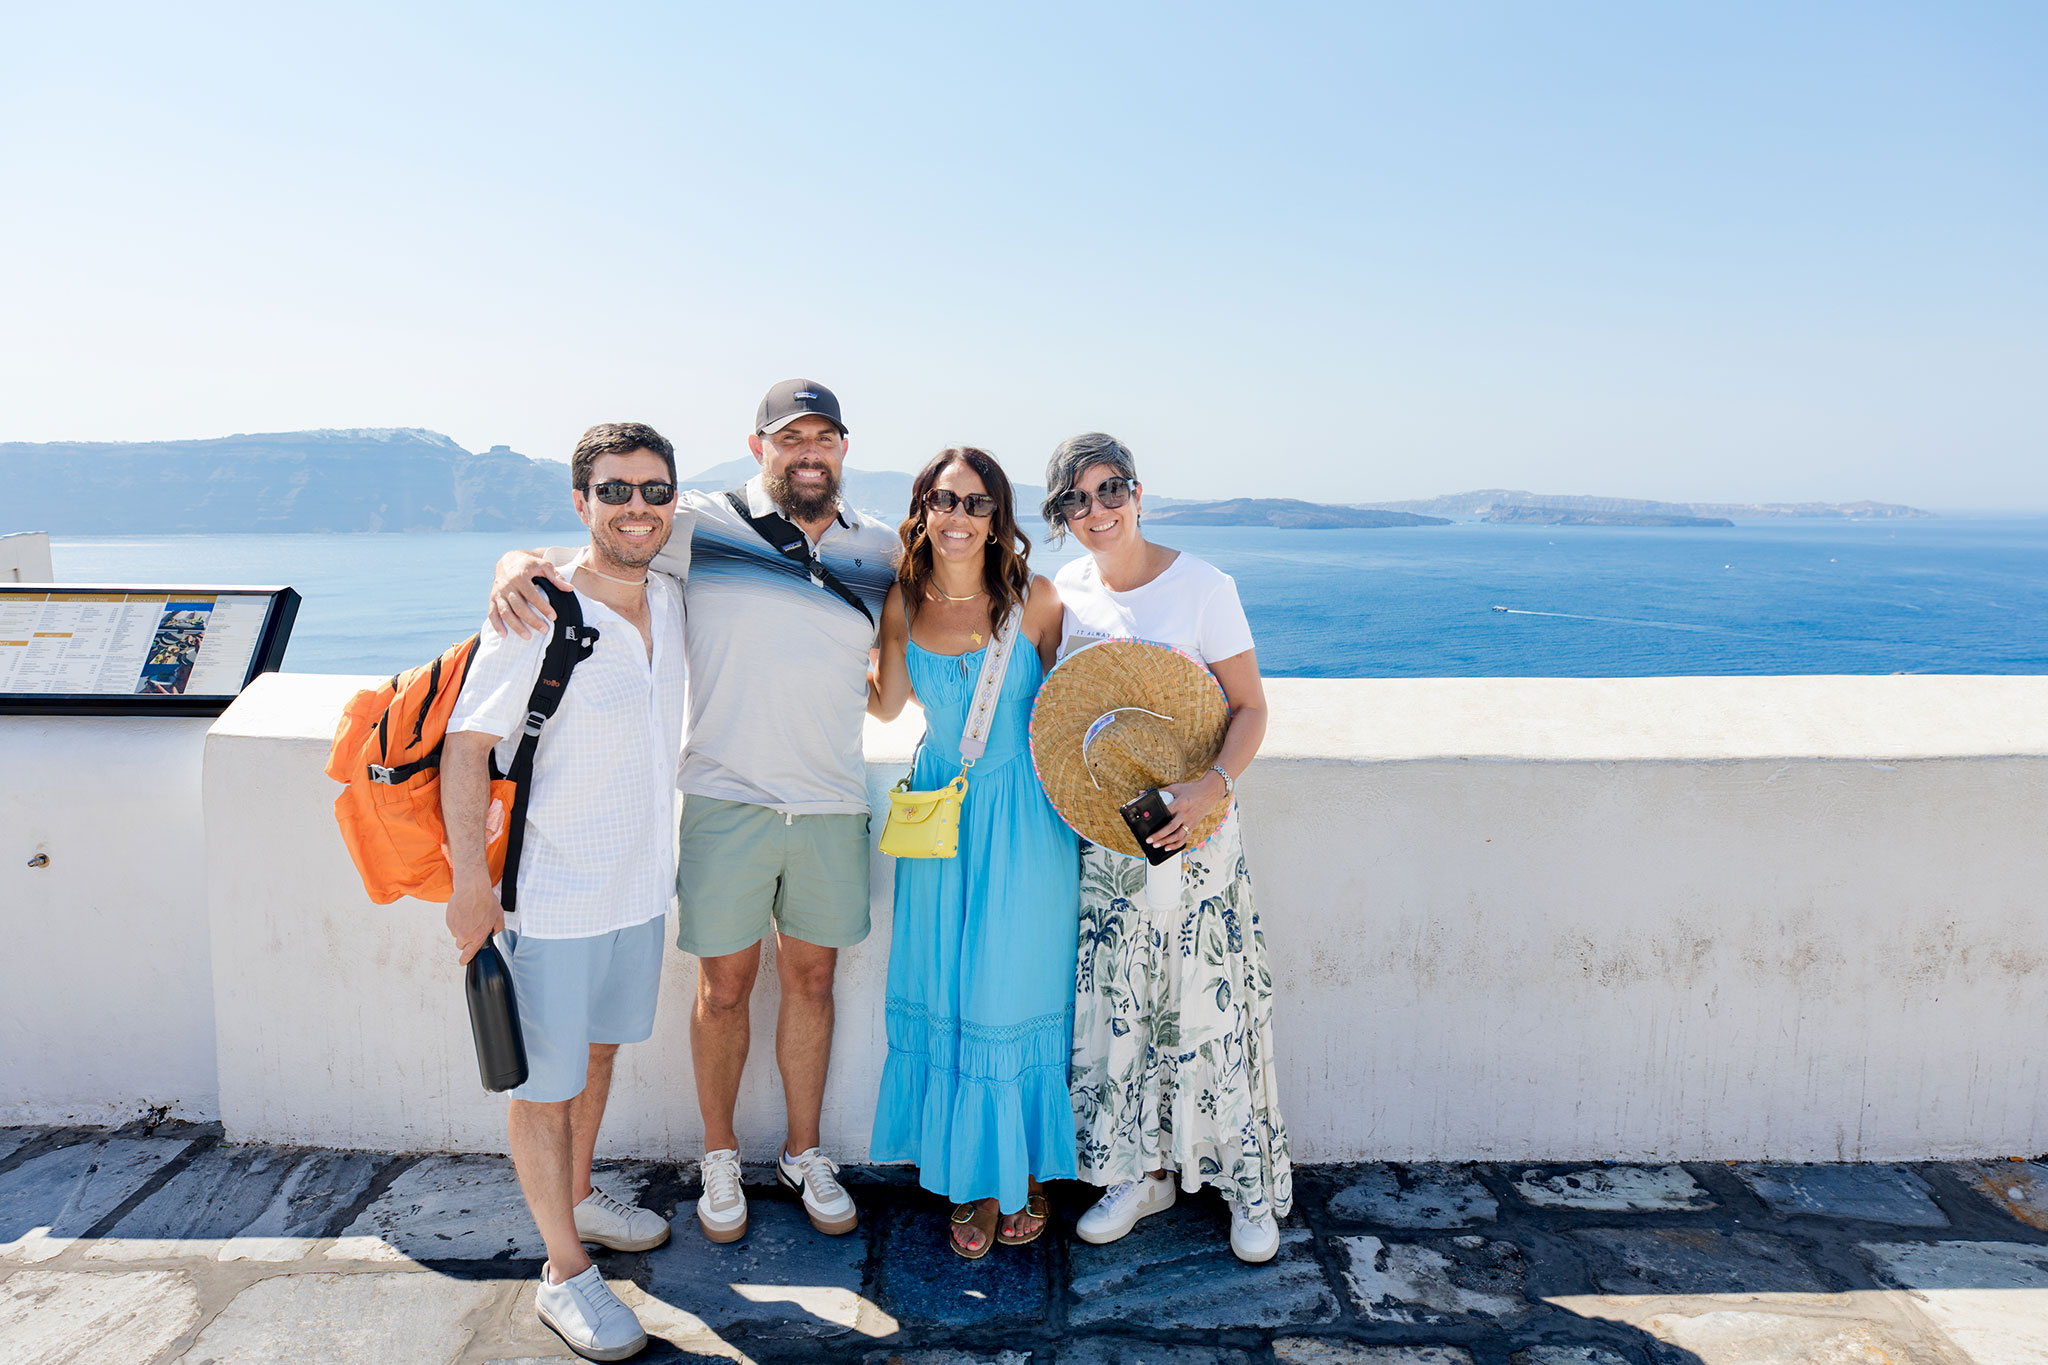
x=1118, y=718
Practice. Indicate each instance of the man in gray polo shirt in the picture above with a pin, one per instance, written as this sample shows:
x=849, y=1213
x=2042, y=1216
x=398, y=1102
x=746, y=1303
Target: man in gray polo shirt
x=782, y=586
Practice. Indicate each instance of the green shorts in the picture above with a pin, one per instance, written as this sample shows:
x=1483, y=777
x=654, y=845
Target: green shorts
x=742, y=870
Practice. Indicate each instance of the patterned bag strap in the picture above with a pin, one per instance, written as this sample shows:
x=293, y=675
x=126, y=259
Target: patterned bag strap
x=981, y=713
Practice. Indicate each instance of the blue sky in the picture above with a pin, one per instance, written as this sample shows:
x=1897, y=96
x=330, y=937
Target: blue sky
x=1350, y=252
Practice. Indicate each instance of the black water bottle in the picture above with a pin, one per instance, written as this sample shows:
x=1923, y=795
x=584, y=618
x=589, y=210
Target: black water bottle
x=494, y=1020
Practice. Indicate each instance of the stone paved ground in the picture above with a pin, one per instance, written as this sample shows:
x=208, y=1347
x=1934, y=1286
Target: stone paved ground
x=166, y=1244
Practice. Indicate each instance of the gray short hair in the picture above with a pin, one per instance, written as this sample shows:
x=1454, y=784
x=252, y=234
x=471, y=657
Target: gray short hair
x=1069, y=459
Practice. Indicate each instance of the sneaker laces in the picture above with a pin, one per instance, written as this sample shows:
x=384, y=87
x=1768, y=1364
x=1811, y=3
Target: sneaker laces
x=601, y=1303
x=814, y=1165
x=721, y=1171
x=605, y=1203
x=1116, y=1196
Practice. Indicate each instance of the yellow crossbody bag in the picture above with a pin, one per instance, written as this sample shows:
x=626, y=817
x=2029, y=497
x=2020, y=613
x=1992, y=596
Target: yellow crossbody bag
x=924, y=824
x=927, y=824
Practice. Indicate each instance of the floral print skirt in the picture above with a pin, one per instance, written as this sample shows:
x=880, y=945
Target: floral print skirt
x=1173, y=1028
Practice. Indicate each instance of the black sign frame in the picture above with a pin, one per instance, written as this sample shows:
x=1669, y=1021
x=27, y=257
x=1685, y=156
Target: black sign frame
x=268, y=656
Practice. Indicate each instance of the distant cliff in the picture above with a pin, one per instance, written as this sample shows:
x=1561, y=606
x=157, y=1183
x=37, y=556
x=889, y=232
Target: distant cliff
x=408, y=479
x=1565, y=516
x=1287, y=512
x=362, y=479
x=881, y=493
x=1484, y=502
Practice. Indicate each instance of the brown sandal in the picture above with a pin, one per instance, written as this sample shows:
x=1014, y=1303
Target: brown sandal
x=1034, y=1207
x=969, y=1215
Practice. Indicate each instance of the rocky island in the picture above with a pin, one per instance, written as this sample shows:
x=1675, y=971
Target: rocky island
x=1572, y=509
x=1566, y=516
x=356, y=479
x=410, y=479
x=1290, y=513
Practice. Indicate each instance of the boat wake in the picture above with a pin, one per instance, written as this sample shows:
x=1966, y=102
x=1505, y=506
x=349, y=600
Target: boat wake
x=1625, y=621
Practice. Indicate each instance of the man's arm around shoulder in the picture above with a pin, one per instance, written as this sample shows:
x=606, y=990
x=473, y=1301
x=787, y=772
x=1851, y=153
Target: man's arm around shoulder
x=519, y=606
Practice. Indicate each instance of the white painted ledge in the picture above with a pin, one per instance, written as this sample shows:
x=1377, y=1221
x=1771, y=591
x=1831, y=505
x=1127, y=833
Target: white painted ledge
x=1681, y=918
x=1611, y=720
x=1557, y=720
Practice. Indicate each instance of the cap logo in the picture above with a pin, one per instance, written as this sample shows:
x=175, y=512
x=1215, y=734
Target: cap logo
x=803, y=393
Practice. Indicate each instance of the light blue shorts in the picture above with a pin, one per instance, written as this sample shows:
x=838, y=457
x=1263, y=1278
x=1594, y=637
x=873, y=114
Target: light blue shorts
x=573, y=992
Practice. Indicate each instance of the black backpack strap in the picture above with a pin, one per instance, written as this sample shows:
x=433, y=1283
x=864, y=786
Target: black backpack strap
x=789, y=539
x=570, y=645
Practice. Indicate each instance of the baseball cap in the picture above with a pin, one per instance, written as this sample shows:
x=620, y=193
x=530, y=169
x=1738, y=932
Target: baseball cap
x=794, y=398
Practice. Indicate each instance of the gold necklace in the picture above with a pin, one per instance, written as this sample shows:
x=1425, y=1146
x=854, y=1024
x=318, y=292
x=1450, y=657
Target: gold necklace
x=973, y=635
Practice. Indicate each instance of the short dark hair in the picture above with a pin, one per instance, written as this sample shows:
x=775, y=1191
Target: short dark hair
x=617, y=438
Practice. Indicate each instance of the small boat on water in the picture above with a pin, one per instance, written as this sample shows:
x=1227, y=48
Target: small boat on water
x=1500, y=608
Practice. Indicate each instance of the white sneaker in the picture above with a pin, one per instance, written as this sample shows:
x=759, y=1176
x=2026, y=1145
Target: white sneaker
x=585, y=1313
x=815, y=1176
x=722, y=1211
x=1254, y=1236
x=622, y=1227
x=1121, y=1206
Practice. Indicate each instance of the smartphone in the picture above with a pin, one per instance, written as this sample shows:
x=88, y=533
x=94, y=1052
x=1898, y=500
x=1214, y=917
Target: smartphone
x=1147, y=814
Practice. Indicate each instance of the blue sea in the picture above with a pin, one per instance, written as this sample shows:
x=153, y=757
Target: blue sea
x=1954, y=595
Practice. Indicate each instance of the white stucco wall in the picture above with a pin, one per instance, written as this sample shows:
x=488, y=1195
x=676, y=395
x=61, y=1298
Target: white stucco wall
x=25, y=557
x=344, y=1021
x=106, y=993
x=1796, y=918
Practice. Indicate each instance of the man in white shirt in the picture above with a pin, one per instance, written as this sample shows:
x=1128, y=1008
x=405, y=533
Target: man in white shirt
x=597, y=869
x=784, y=583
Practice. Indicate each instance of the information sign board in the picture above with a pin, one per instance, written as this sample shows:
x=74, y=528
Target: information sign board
x=103, y=650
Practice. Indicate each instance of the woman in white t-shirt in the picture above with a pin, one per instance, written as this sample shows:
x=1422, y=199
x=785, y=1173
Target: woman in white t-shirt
x=1201, y=1102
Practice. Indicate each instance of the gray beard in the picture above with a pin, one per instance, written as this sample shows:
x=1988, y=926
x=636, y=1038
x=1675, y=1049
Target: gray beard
x=799, y=506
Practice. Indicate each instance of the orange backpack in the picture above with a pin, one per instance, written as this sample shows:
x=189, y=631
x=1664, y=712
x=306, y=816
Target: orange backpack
x=387, y=756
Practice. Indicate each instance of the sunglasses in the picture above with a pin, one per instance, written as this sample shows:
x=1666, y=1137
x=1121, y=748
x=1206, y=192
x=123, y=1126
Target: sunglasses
x=617, y=492
x=1073, y=504
x=945, y=500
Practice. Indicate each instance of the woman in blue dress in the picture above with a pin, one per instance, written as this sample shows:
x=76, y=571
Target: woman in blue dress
x=981, y=960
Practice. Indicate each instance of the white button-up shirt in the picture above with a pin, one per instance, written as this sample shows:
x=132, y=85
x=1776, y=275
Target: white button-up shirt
x=600, y=819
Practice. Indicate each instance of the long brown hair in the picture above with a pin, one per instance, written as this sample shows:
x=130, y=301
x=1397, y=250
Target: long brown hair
x=1006, y=571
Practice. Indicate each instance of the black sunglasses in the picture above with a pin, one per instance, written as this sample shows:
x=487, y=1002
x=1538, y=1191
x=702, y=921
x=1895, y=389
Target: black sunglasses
x=617, y=492
x=1073, y=504
x=945, y=500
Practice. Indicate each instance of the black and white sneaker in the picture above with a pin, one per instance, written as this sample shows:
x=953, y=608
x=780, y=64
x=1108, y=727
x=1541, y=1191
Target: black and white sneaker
x=816, y=1177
